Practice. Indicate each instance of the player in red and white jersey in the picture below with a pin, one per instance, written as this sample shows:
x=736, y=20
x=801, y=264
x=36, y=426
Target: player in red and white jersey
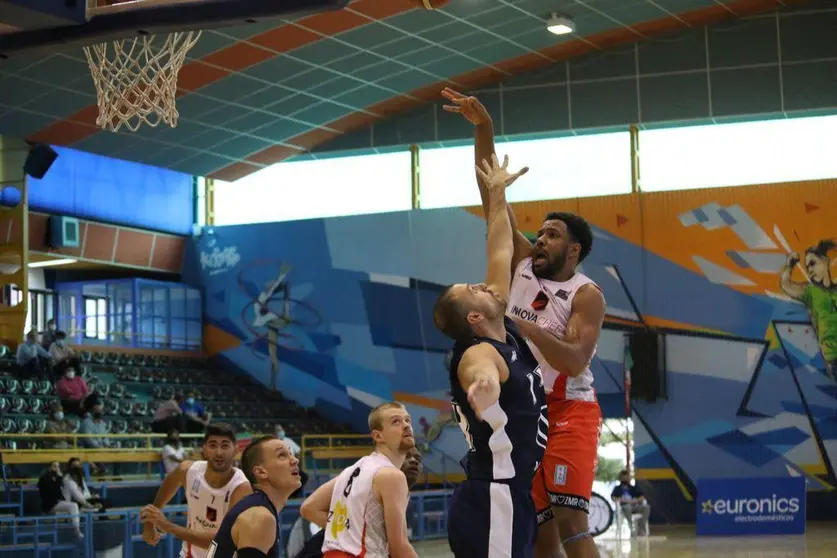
x=212, y=488
x=561, y=312
x=363, y=510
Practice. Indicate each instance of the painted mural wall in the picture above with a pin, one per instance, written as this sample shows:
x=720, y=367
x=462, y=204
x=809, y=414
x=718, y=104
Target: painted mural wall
x=336, y=313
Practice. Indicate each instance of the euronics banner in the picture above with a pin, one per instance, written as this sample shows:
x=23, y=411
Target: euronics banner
x=756, y=506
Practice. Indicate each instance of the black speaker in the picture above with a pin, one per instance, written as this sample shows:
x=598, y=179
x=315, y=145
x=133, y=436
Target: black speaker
x=39, y=160
x=648, y=375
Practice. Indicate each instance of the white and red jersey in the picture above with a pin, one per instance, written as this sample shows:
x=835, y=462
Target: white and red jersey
x=207, y=506
x=549, y=304
x=356, y=524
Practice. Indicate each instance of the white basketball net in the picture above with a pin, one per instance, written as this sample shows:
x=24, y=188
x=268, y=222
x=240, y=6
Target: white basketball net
x=136, y=79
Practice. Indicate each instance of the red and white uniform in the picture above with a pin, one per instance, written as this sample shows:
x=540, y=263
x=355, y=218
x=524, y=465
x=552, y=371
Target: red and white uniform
x=356, y=526
x=207, y=506
x=565, y=477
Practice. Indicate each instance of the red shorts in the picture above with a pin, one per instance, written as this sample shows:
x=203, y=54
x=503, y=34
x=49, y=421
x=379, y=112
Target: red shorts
x=565, y=476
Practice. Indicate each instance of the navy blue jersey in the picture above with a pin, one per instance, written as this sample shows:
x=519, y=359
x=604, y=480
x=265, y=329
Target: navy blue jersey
x=223, y=546
x=513, y=452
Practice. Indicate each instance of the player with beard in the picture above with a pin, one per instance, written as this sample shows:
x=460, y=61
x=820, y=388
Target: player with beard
x=561, y=312
x=212, y=487
x=363, y=510
x=411, y=468
x=251, y=528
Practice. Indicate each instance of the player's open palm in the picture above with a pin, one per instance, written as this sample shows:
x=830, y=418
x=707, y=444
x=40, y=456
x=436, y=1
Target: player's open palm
x=469, y=107
x=482, y=394
x=495, y=176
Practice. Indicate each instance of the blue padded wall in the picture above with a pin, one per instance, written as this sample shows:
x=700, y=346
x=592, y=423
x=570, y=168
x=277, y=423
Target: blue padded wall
x=113, y=191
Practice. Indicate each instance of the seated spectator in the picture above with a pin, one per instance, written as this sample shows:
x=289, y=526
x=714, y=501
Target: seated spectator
x=168, y=416
x=32, y=359
x=74, y=488
x=50, y=486
x=72, y=390
x=196, y=416
x=48, y=336
x=57, y=424
x=93, y=424
x=172, y=453
x=631, y=500
x=61, y=354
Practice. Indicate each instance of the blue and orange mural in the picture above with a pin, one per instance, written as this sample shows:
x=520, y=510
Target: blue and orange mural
x=336, y=313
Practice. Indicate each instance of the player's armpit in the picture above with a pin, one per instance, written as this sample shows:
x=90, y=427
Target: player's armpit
x=481, y=361
x=572, y=354
x=255, y=528
x=390, y=486
x=171, y=484
x=315, y=507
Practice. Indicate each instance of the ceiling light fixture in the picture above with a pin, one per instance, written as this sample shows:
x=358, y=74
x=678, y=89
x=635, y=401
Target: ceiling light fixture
x=560, y=25
x=50, y=263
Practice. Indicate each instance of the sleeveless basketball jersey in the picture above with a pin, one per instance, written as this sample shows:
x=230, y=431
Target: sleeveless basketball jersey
x=355, y=517
x=207, y=506
x=223, y=546
x=513, y=452
x=549, y=304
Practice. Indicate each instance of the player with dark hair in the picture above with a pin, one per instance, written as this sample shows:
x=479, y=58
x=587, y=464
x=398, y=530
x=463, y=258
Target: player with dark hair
x=560, y=311
x=212, y=487
x=251, y=528
x=498, y=399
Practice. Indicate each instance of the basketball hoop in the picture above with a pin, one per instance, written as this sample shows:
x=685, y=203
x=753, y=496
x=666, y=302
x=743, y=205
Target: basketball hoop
x=136, y=79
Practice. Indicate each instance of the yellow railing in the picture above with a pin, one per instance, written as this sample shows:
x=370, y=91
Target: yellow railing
x=331, y=447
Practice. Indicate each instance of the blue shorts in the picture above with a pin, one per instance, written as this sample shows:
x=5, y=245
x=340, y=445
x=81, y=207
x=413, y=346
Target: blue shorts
x=490, y=519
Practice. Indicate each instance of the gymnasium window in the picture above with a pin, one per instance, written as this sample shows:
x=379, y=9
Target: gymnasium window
x=317, y=188
x=41, y=306
x=95, y=317
x=566, y=167
x=738, y=154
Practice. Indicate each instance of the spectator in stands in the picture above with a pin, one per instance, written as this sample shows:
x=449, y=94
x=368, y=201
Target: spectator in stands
x=172, y=452
x=168, y=416
x=62, y=355
x=632, y=501
x=50, y=486
x=48, y=336
x=93, y=424
x=196, y=416
x=31, y=357
x=74, y=488
x=73, y=391
x=57, y=424
x=295, y=451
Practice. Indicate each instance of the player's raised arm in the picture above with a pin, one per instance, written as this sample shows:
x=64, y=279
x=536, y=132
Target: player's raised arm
x=571, y=355
x=475, y=113
x=390, y=485
x=499, y=243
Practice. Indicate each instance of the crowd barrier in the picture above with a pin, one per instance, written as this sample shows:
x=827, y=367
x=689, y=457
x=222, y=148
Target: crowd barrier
x=118, y=532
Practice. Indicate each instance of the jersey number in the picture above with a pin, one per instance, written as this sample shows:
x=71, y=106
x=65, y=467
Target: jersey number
x=348, y=489
x=464, y=425
x=543, y=420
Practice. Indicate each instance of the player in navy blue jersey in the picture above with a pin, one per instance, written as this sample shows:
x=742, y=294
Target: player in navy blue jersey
x=251, y=528
x=498, y=399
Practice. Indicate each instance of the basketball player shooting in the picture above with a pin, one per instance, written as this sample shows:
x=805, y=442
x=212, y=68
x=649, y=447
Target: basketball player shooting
x=364, y=509
x=212, y=487
x=561, y=312
x=251, y=528
x=498, y=399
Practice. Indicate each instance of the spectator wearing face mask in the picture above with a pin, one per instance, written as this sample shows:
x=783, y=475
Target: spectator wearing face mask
x=168, y=416
x=295, y=450
x=196, y=416
x=74, y=488
x=57, y=424
x=50, y=487
x=61, y=354
x=172, y=453
x=48, y=336
x=72, y=390
x=93, y=424
x=32, y=359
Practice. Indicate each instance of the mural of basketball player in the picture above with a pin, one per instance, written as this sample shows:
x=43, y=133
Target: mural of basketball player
x=272, y=321
x=819, y=295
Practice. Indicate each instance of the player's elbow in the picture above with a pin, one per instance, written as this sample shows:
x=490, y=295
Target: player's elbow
x=307, y=510
x=401, y=549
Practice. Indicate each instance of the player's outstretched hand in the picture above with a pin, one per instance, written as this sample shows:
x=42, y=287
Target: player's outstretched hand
x=150, y=535
x=495, y=175
x=469, y=107
x=482, y=394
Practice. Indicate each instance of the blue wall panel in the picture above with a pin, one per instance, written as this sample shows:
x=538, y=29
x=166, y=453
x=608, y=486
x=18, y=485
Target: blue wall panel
x=113, y=191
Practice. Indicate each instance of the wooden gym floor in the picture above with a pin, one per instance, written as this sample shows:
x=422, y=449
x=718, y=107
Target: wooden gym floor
x=680, y=542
